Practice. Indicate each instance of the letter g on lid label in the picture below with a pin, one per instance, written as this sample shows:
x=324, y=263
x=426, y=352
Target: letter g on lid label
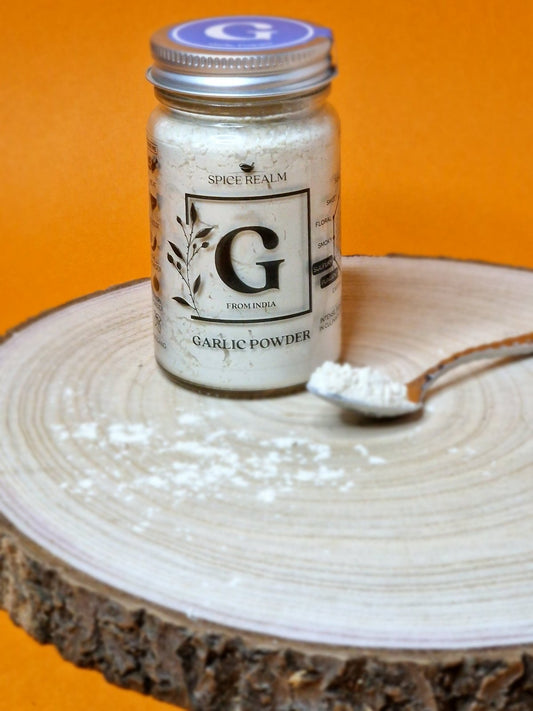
x=241, y=31
x=244, y=32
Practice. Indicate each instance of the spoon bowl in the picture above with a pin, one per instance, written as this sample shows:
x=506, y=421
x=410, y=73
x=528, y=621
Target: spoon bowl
x=373, y=394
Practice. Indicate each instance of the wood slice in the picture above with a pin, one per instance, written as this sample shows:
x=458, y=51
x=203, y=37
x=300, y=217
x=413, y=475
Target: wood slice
x=279, y=553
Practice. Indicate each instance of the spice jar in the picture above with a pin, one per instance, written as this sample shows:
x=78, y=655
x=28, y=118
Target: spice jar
x=244, y=199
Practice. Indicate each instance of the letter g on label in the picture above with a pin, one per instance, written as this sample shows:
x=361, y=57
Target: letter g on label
x=225, y=267
x=241, y=31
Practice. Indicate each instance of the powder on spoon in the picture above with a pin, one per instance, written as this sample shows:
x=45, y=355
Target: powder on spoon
x=368, y=387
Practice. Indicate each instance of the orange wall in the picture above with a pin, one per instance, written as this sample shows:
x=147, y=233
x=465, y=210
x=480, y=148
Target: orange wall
x=435, y=98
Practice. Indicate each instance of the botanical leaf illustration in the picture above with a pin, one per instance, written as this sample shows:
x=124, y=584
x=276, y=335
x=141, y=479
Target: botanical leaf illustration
x=176, y=250
x=182, y=301
x=181, y=257
x=202, y=234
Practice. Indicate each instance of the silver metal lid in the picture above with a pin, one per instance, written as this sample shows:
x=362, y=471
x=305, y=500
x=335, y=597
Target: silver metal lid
x=242, y=57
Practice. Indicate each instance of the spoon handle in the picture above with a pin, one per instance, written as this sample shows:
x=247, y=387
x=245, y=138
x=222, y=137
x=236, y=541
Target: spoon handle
x=514, y=346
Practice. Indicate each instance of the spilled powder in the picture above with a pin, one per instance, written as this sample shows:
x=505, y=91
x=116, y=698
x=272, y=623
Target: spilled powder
x=149, y=470
x=363, y=451
x=200, y=460
x=129, y=433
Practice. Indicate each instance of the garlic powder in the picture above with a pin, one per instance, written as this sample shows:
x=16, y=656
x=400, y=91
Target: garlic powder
x=368, y=387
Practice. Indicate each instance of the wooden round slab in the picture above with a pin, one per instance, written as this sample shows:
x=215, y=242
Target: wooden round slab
x=279, y=553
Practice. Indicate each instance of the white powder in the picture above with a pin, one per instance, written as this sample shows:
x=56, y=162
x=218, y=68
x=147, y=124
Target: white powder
x=87, y=430
x=323, y=451
x=148, y=464
x=376, y=460
x=189, y=418
x=372, y=459
x=223, y=337
x=266, y=495
x=136, y=433
x=368, y=387
x=361, y=449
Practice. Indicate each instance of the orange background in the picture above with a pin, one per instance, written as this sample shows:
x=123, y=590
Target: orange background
x=435, y=99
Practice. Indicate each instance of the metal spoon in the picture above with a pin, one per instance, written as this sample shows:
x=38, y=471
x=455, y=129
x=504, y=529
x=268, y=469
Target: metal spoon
x=382, y=397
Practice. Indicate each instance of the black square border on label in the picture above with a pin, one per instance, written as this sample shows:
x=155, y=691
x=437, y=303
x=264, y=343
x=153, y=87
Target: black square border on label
x=189, y=197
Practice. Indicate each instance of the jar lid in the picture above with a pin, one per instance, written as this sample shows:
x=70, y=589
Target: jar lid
x=242, y=57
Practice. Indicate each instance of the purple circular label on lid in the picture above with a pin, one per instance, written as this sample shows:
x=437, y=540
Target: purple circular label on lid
x=245, y=32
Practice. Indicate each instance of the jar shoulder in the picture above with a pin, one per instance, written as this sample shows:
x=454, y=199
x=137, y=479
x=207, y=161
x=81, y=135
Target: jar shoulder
x=167, y=126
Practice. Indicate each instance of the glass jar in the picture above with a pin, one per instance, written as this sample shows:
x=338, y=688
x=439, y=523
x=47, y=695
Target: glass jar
x=244, y=199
